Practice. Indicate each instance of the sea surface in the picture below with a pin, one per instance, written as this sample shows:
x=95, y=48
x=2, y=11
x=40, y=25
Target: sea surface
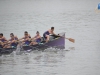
x=77, y=18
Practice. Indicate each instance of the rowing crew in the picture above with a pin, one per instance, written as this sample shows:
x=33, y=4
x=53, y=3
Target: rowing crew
x=27, y=40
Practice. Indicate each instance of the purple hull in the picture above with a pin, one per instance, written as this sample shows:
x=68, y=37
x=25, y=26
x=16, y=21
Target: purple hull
x=58, y=42
x=7, y=50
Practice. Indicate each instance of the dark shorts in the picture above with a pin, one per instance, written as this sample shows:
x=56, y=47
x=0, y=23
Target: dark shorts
x=38, y=40
x=44, y=35
x=14, y=45
x=27, y=42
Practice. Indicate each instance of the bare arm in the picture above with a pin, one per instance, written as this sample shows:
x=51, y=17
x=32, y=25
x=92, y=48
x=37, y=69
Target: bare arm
x=38, y=37
x=16, y=38
x=21, y=38
x=5, y=40
x=56, y=34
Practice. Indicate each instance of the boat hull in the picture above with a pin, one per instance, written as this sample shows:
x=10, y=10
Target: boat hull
x=6, y=50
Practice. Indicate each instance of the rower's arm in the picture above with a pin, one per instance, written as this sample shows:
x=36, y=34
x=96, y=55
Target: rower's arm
x=33, y=37
x=39, y=37
x=55, y=34
x=5, y=40
x=16, y=38
x=21, y=38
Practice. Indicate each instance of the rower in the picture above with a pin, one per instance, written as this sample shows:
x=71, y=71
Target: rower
x=48, y=32
x=26, y=38
x=3, y=40
x=13, y=42
x=36, y=39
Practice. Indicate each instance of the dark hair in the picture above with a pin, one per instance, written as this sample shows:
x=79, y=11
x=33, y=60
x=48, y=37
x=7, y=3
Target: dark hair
x=37, y=32
x=12, y=34
x=52, y=27
x=1, y=34
x=25, y=32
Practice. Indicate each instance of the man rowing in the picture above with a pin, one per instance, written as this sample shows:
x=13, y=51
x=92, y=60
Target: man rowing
x=36, y=39
x=48, y=32
x=3, y=40
x=26, y=38
x=12, y=42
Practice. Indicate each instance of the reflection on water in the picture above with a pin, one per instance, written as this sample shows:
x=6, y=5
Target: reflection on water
x=71, y=48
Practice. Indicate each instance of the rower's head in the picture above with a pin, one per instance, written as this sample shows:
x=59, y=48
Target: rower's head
x=1, y=35
x=52, y=28
x=26, y=33
x=37, y=33
x=11, y=35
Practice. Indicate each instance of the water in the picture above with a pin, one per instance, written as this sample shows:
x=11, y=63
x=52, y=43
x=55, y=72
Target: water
x=75, y=17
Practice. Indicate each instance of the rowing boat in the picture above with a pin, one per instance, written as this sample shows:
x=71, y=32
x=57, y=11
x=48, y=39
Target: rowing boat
x=54, y=42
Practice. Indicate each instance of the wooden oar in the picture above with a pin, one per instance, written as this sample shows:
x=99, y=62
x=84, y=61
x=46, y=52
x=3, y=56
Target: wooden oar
x=71, y=40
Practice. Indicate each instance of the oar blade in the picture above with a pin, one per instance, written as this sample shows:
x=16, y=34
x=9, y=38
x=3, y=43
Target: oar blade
x=72, y=40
